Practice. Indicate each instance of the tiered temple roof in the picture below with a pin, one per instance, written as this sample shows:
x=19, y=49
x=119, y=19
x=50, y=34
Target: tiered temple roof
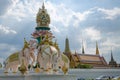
x=96, y=60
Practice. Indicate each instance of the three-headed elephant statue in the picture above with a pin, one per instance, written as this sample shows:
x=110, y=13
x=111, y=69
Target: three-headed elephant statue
x=47, y=57
x=50, y=58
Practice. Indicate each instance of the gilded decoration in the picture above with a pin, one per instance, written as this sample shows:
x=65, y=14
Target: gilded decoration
x=43, y=18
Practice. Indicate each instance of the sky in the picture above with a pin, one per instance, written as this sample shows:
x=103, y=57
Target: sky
x=87, y=20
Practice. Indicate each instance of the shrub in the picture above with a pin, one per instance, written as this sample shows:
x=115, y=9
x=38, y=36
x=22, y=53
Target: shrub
x=86, y=66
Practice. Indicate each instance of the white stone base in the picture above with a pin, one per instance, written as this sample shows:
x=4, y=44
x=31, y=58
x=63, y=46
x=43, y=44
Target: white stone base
x=37, y=76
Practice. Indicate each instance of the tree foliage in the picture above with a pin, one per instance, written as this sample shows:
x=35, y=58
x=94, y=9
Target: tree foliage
x=86, y=66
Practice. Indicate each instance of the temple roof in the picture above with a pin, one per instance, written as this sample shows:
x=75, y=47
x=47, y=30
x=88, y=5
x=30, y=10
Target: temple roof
x=92, y=59
x=88, y=58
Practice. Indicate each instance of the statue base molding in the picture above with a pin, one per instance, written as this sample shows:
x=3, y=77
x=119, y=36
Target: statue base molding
x=37, y=76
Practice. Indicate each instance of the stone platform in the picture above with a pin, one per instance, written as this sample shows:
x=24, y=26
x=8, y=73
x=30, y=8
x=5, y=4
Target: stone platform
x=37, y=76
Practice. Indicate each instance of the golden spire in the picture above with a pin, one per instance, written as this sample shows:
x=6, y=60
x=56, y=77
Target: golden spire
x=43, y=6
x=83, y=52
x=26, y=44
x=97, y=50
x=67, y=49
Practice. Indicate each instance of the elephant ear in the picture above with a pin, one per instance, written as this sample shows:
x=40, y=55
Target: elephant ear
x=65, y=58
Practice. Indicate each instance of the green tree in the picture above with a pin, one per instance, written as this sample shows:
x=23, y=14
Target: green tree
x=86, y=66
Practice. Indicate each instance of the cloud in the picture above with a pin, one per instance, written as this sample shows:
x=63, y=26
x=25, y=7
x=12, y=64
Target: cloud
x=4, y=6
x=6, y=30
x=66, y=16
x=92, y=33
x=110, y=43
x=7, y=49
x=110, y=14
x=1, y=61
x=80, y=17
x=21, y=9
x=54, y=28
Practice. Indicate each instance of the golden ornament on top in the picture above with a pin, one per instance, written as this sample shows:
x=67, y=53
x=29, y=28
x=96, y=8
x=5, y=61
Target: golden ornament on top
x=43, y=18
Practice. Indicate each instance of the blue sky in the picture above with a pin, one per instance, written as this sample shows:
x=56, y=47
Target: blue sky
x=87, y=20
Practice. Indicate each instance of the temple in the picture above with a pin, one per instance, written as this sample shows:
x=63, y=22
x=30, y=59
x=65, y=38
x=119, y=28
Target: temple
x=96, y=61
x=112, y=62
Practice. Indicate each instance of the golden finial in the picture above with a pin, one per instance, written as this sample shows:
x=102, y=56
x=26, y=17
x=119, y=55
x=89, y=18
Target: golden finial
x=97, y=49
x=23, y=68
x=64, y=69
x=56, y=45
x=26, y=44
x=46, y=41
x=25, y=40
x=37, y=70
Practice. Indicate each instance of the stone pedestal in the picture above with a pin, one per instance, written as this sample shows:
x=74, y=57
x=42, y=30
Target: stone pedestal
x=37, y=76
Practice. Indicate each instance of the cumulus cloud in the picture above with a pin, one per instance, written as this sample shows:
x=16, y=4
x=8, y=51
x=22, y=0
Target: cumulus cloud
x=54, y=28
x=21, y=9
x=111, y=41
x=110, y=13
x=7, y=49
x=92, y=33
x=6, y=30
x=26, y=10
x=80, y=17
x=66, y=16
x=4, y=6
x=2, y=60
